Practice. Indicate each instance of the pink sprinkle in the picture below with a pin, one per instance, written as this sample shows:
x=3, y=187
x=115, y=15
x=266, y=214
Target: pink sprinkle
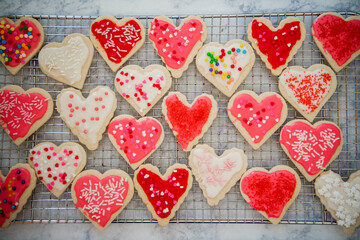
x=277, y=54
x=60, y=180
x=158, y=203
x=124, y=94
x=60, y=174
x=75, y=164
x=151, y=185
x=65, y=150
x=127, y=80
x=158, y=81
x=158, y=212
x=54, y=154
x=49, y=186
x=26, y=21
x=51, y=148
x=52, y=183
x=166, y=191
x=22, y=61
x=38, y=153
x=60, y=158
x=281, y=59
x=144, y=81
x=63, y=164
x=162, y=78
x=36, y=164
x=174, y=201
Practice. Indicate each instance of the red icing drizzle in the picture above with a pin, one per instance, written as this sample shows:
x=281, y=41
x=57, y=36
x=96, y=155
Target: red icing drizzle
x=312, y=148
x=18, y=112
x=134, y=137
x=11, y=191
x=117, y=41
x=187, y=122
x=175, y=45
x=339, y=38
x=257, y=118
x=269, y=192
x=276, y=45
x=163, y=195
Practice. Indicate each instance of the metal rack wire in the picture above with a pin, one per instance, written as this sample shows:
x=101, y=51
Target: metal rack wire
x=343, y=108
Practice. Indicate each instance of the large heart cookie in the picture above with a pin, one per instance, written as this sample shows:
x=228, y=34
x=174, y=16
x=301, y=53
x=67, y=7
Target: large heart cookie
x=270, y=192
x=20, y=41
x=87, y=118
x=308, y=89
x=101, y=197
x=16, y=188
x=69, y=61
x=56, y=167
x=24, y=112
x=217, y=175
x=143, y=88
x=257, y=117
x=177, y=46
x=276, y=46
x=311, y=147
x=135, y=139
x=163, y=195
x=116, y=40
x=337, y=38
x=227, y=66
x=341, y=199
x=189, y=122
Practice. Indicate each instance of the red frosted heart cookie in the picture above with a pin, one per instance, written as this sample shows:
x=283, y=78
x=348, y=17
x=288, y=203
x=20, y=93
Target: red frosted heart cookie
x=189, y=122
x=270, y=192
x=276, y=46
x=257, y=117
x=337, y=38
x=163, y=195
x=311, y=147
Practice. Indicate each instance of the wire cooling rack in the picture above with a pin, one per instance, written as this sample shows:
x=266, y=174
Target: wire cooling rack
x=343, y=108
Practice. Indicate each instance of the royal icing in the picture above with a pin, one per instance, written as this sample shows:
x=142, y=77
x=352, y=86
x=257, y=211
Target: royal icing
x=18, y=111
x=174, y=45
x=66, y=61
x=312, y=148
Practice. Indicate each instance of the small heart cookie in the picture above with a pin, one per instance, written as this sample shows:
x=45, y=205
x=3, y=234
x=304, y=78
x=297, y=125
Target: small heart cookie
x=276, y=46
x=217, y=175
x=117, y=41
x=307, y=90
x=67, y=62
x=56, y=167
x=20, y=41
x=143, y=88
x=226, y=66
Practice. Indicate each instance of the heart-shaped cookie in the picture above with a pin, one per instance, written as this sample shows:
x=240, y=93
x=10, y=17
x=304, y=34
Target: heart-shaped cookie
x=67, y=62
x=20, y=41
x=177, y=46
x=135, y=139
x=337, y=38
x=340, y=198
x=189, y=122
x=307, y=90
x=257, y=117
x=24, y=112
x=101, y=197
x=276, y=46
x=143, y=88
x=226, y=66
x=217, y=175
x=311, y=147
x=87, y=118
x=163, y=195
x=272, y=192
x=56, y=167
x=117, y=41
x=16, y=188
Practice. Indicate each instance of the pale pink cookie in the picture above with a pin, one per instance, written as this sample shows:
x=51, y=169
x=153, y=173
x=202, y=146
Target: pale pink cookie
x=217, y=175
x=101, y=197
x=340, y=198
x=135, y=139
x=257, y=117
x=142, y=88
x=87, y=118
x=307, y=90
x=226, y=66
x=115, y=40
x=272, y=192
x=177, y=46
x=67, y=62
x=16, y=188
x=189, y=122
x=163, y=194
x=27, y=35
x=24, y=112
x=57, y=166
x=276, y=46
x=311, y=147
x=337, y=38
